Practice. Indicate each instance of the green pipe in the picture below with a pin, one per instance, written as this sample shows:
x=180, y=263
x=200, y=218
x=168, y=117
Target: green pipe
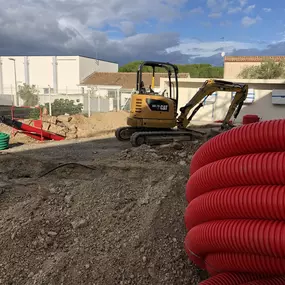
x=4, y=141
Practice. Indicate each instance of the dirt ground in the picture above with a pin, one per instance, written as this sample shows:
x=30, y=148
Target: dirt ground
x=115, y=218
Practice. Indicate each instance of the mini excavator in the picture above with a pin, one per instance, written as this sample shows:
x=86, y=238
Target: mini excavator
x=153, y=115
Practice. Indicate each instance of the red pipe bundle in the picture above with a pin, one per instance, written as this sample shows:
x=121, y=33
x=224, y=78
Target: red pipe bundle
x=236, y=212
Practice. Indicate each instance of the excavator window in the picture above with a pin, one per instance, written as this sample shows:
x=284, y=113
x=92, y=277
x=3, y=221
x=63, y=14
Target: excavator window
x=142, y=88
x=170, y=68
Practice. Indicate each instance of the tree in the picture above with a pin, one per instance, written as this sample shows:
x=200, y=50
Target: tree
x=29, y=94
x=266, y=70
x=195, y=70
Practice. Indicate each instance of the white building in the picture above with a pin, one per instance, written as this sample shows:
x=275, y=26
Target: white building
x=60, y=74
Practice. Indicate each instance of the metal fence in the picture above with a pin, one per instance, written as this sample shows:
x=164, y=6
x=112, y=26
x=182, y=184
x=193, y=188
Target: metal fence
x=93, y=100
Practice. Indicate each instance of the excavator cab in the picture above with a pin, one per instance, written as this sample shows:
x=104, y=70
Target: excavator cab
x=150, y=110
x=171, y=69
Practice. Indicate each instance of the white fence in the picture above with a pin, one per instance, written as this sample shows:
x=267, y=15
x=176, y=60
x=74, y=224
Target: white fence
x=105, y=100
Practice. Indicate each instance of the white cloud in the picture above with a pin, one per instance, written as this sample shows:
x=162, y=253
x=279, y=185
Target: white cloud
x=196, y=48
x=198, y=10
x=242, y=2
x=215, y=15
x=267, y=10
x=217, y=5
x=249, y=9
x=248, y=21
x=225, y=23
x=127, y=27
x=234, y=10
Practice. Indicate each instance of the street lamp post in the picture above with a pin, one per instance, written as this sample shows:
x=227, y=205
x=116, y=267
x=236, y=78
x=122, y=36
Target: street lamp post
x=16, y=99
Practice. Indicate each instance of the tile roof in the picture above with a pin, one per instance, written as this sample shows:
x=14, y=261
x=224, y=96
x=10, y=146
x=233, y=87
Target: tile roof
x=252, y=58
x=125, y=79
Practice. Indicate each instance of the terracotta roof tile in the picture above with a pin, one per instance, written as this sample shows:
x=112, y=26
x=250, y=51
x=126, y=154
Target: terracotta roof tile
x=252, y=58
x=125, y=79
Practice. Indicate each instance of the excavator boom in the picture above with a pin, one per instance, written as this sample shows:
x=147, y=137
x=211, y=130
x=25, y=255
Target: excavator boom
x=207, y=89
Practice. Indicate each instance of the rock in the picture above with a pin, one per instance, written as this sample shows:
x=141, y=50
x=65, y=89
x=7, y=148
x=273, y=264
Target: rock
x=46, y=126
x=68, y=199
x=60, y=124
x=49, y=119
x=51, y=233
x=144, y=259
x=71, y=126
x=64, y=118
x=58, y=130
x=144, y=200
x=79, y=223
x=182, y=162
x=182, y=154
x=190, y=157
x=71, y=136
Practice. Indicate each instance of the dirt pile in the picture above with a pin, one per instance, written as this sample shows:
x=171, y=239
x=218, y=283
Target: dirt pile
x=178, y=153
x=79, y=126
x=118, y=223
x=75, y=126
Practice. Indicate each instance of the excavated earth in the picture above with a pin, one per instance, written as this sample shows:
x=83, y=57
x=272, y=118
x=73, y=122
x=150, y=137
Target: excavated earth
x=116, y=218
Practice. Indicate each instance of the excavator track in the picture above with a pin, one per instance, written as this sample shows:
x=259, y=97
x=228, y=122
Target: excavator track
x=158, y=137
x=125, y=133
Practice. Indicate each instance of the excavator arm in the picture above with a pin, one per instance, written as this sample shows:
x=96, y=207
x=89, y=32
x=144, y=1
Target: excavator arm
x=206, y=90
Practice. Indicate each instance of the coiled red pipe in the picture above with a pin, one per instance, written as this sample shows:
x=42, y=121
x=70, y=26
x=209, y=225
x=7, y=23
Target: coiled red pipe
x=241, y=278
x=236, y=212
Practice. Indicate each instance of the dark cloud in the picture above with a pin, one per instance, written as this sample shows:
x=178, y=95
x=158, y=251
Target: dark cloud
x=44, y=27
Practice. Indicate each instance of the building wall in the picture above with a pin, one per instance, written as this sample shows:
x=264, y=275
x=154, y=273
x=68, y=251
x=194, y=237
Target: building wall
x=232, y=69
x=87, y=66
x=68, y=74
x=262, y=105
x=70, y=71
x=106, y=66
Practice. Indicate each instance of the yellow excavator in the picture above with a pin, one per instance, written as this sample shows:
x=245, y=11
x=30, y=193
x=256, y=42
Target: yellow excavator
x=153, y=116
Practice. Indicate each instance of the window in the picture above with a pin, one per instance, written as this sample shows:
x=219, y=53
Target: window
x=46, y=90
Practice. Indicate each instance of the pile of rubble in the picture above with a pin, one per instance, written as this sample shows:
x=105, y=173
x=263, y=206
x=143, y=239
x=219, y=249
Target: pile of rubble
x=62, y=125
x=178, y=152
x=80, y=126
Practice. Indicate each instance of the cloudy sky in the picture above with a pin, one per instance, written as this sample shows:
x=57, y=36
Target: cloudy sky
x=179, y=31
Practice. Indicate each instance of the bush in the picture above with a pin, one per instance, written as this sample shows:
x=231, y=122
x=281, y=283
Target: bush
x=266, y=70
x=62, y=106
x=58, y=107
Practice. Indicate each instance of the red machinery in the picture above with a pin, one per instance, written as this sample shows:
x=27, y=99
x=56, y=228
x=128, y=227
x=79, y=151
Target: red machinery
x=33, y=132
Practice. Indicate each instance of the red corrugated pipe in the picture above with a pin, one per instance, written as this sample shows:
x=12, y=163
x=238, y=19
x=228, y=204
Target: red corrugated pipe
x=241, y=278
x=236, y=212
